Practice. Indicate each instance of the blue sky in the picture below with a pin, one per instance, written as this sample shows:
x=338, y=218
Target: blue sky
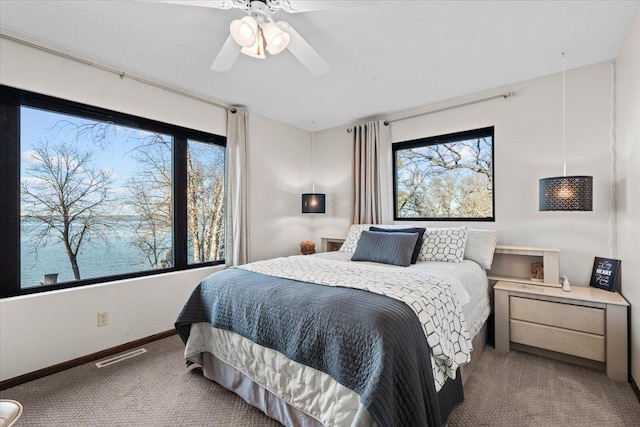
x=38, y=125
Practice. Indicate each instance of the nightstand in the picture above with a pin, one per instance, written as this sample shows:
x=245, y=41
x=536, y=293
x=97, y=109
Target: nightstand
x=586, y=326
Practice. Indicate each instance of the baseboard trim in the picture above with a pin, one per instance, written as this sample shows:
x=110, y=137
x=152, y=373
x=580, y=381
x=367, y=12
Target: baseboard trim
x=12, y=382
x=634, y=387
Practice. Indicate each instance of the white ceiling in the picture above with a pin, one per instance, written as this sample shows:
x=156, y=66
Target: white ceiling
x=385, y=56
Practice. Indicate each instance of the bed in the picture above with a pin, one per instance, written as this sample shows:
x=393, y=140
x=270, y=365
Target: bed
x=323, y=340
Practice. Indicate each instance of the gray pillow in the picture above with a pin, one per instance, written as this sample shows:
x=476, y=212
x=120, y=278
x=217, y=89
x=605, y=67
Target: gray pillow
x=386, y=248
x=419, y=230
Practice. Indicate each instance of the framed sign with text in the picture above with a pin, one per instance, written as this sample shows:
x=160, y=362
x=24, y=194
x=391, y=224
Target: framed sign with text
x=605, y=274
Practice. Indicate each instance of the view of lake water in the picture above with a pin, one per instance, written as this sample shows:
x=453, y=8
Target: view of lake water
x=118, y=255
x=87, y=167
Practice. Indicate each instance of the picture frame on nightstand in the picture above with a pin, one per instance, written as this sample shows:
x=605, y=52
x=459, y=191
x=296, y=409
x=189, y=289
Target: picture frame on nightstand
x=606, y=273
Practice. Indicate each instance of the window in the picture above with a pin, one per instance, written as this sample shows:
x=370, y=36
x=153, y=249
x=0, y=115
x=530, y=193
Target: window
x=95, y=195
x=205, y=197
x=447, y=177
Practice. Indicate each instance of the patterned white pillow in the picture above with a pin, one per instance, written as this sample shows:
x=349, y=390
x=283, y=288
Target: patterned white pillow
x=350, y=243
x=444, y=244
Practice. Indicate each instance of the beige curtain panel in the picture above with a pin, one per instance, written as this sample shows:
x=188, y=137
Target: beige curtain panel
x=237, y=158
x=372, y=173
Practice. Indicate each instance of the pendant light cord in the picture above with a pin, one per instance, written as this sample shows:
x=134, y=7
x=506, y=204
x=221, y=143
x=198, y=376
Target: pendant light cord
x=313, y=155
x=564, y=119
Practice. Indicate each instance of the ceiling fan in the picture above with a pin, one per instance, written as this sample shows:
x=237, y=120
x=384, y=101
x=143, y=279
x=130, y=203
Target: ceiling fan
x=258, y=30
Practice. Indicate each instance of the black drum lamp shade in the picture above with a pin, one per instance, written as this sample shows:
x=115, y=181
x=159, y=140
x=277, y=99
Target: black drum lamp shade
x=566, y=193
x=313, y=203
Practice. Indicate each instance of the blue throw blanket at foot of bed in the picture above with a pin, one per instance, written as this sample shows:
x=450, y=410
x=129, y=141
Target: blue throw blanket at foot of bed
x=372, y=344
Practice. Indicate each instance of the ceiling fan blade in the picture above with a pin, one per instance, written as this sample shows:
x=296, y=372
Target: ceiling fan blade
x=299, y=6
x=227, y=55
x=304, y=52
x=216, y=4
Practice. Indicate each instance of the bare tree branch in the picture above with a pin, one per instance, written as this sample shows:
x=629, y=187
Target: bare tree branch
x=66, y=193
x=445, y=180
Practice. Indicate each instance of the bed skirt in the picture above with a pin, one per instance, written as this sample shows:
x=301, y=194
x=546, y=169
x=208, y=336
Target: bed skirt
x=478, y=342
x=319, y=405
x=449, y=397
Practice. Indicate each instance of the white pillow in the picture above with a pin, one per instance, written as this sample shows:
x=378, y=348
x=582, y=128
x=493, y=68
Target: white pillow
x=444, y=244
x=350, y=243
x=481, y=244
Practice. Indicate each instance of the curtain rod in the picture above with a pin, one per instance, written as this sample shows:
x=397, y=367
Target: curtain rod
x=121, y=74
x=450, y=107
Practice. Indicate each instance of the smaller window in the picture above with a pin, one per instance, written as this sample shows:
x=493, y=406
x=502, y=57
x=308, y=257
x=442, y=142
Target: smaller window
x=205, y=202
x=445, y=178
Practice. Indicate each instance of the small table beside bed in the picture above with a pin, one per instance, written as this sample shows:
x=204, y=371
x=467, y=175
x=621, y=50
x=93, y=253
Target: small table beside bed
x=357, y=337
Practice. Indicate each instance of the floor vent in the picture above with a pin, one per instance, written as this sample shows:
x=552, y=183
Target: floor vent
x=120, y=358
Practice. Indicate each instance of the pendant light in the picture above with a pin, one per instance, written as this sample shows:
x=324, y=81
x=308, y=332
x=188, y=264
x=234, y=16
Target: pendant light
x=566, y=193
x=313, y=202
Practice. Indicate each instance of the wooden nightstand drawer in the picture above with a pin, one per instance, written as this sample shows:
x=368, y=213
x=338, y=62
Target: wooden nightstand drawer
x=577, y=318
x=565, y=341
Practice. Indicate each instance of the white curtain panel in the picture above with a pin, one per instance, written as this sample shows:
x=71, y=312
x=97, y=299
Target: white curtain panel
x=237, y=167
x=372, y=174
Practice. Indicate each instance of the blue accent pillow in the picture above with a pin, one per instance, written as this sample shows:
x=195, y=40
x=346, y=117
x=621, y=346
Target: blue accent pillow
x=386, y=248
x=419, y=230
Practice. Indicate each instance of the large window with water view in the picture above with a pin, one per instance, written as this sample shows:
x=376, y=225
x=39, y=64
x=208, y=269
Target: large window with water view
x=447, y=177
x=95, y=199
x=105, y=199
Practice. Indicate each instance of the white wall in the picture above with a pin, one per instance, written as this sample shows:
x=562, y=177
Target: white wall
x=37, y=331
x=279, y=161
x=528, y=146
x=628, y=168
x=36, y=71
x=41, y=330
x=333, y=171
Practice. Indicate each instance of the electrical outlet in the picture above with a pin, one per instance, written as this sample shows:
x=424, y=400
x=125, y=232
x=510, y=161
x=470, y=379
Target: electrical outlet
x=103, y=319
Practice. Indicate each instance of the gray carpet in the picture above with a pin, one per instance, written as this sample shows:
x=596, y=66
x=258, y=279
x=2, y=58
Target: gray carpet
x=521, y=389
x=156, y=389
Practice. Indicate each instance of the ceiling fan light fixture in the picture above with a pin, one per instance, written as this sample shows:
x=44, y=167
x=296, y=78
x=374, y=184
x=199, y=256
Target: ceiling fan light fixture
x=276, y=39
x=244, y=31
x=257, y=50
x=257, y=32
